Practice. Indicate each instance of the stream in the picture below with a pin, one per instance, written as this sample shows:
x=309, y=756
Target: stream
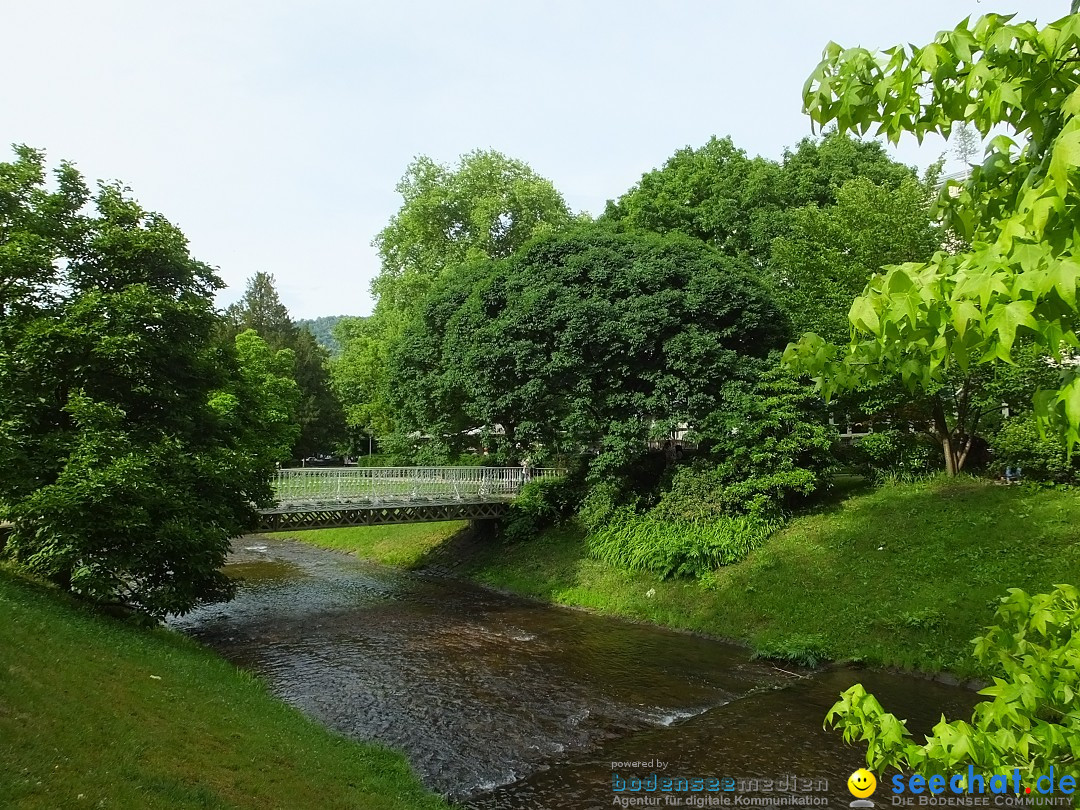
x=505, y=703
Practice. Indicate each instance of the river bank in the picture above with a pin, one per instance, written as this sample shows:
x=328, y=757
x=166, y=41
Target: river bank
x=900, y=576
x=96, y=712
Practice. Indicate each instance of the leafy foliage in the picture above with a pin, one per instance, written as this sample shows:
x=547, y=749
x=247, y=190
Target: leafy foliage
x=894, y=452
x=807, y=650
x=828, y=254
x=318, y=412
x=768, y=448
x=541, y=504
x=359, y=374
x=1018, y=278
x=710, y=193
x=1031, y=721
x=738, y=204
x=587, y=340
x=676, y=548
x=121, y=474
x=1042, y=458
x=259, y=404
x=487, y=206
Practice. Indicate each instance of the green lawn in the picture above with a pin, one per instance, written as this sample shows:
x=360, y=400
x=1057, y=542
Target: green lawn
x=903, y=575
x=401, y=544
x=95, y=712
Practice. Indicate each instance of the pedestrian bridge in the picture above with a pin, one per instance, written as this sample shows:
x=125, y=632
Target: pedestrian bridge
x=326, y=497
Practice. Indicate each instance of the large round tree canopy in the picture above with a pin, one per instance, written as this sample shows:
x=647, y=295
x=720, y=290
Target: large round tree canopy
x=589, y=338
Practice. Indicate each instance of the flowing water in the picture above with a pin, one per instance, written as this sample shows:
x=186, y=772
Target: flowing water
x=501, y=702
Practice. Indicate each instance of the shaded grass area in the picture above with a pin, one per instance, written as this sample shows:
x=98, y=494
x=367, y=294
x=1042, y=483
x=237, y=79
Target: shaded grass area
x=404, y=544
x=905, y=575
x=95, y=712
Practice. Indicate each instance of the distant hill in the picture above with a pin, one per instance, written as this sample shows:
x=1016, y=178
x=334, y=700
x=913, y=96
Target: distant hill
x=323, y=330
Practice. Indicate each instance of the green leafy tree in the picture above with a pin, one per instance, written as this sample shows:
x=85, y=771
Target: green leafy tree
x=1030, y=721
x=260, y=309
x=828, y=254
x=1040, y=458
x=488, y=206
x=318, y=412
x=590, y=339
x=739, y=204
x=765, y=451
x=1016, y=283
x=122, y=478
x=710, y=193
x=359, y=377
x=263, y=396
x=966, y=143
x=36, y=226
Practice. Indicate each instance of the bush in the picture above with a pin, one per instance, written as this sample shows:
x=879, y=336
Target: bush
x=541, y=504
x=804, y=650
x=765, y=452
x=667, y=548
x=702, y=493
x=1018, y=444
x=897, y=454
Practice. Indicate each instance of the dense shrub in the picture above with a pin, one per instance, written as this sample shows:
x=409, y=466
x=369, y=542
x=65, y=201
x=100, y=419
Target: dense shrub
x=670, y=548
x=702, y=493
x=541, y=504
x=1018, y=444
x=764, y=453
x=897, y=453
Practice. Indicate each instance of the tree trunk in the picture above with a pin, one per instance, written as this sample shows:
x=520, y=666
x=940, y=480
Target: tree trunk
x=952, y=446
x=947, y=447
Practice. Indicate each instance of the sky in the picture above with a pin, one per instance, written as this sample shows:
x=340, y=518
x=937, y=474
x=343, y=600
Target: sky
x=273, y=133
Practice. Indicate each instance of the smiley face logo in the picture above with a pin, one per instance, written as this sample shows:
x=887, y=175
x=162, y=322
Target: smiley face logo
x=861, y=783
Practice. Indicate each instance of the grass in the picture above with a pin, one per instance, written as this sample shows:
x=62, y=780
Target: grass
x=404, y=545
x=95, y=712
x=904, y=575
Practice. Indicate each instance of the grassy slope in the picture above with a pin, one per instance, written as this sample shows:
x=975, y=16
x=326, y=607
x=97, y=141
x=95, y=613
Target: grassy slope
x=903, y=575
x=403, y=544
x=84, y=723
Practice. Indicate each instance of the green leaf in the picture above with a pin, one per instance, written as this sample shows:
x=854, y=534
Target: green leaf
x=1005, y=319
x=864, y=316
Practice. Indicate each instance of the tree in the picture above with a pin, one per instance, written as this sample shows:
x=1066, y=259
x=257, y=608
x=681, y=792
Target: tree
x=711, y=193
x=318, y=413
x=36, y=225
x=260, y=308
x=764, y=452
x=739, y=204
x=965, y=143
x=589, y=339
x=1016, y=283
x=359, y=373
x=827, y=255
x=123, y=479
x=488, y=206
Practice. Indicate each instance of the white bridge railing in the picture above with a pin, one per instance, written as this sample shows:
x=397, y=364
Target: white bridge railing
x=330, y=486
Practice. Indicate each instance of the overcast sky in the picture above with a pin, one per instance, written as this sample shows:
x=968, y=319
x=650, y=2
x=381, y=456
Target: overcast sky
x=273, y=133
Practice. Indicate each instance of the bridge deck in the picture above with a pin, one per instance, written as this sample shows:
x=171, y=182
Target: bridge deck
x=364, y=496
